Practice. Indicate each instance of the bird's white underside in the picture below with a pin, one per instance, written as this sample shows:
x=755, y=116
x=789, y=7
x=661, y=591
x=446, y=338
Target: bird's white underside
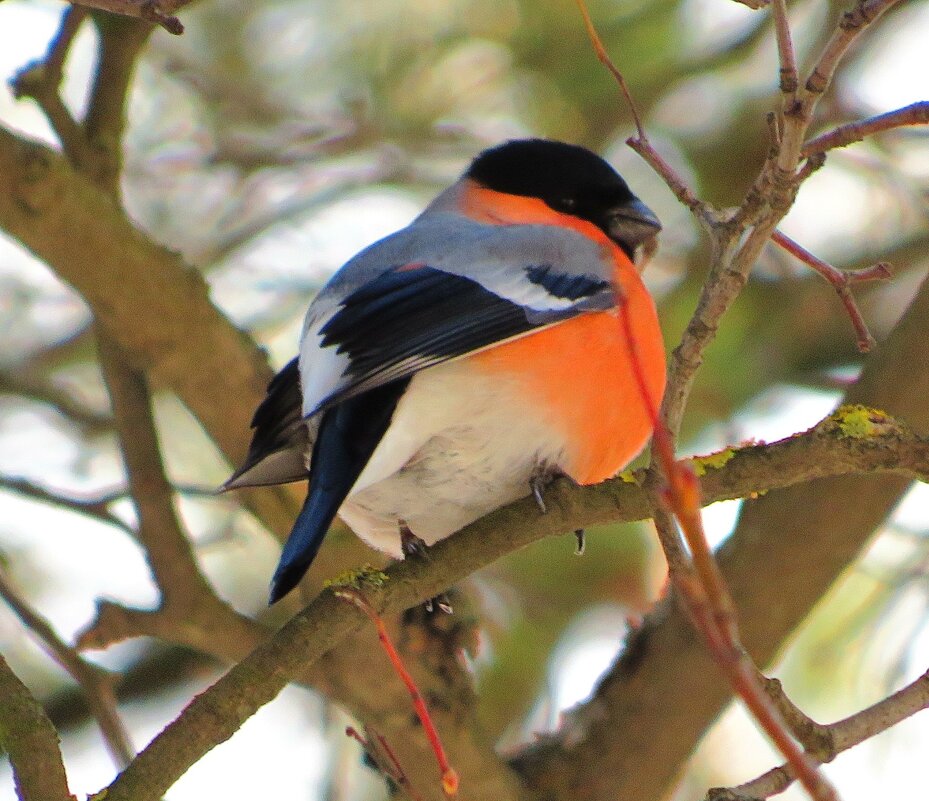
x=460, y=445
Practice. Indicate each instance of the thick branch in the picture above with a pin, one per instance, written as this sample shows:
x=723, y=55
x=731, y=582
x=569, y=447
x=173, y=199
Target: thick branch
x=214, y=716
x=31, y=741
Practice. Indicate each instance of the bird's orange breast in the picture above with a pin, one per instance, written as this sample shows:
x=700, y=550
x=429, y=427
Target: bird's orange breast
x=579, y=374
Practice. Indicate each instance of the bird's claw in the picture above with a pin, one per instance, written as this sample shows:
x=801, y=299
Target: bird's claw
x=410, y=544
x=581, y=542
x=441, y=603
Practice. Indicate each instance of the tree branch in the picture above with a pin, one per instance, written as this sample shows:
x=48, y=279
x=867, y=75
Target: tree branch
x=26, y=382
x=186, y=594
x=839, y=736
x=840, y=280
x=154, y=306
x=159, y=12
x=94, y=508
x=31, y=741
x=849, y=28
x=836, y=444
x=95, y=683
x=851, y=132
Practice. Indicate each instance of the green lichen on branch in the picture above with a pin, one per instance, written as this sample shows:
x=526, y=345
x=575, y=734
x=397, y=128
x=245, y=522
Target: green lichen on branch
x=862, y=422
x=365, y=576
x=713, y=461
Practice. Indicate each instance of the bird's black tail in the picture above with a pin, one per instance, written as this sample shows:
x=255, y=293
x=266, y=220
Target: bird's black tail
x=348, y=434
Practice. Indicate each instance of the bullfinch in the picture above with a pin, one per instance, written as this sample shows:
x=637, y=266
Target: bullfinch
x=446, y=368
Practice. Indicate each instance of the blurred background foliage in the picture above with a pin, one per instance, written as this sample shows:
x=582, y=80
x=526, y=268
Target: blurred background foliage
x=272, y=140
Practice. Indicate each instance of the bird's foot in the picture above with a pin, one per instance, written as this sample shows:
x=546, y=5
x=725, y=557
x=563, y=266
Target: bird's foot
x=439, y=603
x=411, y=545
x=541, y=477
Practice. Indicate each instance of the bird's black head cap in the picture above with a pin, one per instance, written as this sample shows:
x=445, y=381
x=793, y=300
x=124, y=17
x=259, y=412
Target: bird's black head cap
x=570, y=179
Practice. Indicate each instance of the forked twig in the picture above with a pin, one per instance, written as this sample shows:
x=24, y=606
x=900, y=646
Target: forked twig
x=394, y=770
x=836, y=737
x=841, y=280
x=95, y=683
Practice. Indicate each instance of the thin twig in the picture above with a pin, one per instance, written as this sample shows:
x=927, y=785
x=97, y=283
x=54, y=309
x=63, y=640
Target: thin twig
x=40, y=81
x=27, y=382
x=790, y=82
x=674, y=182
x=841, y=736
x=159, y=12
x=850, y=132
x=607, y=62
x=813, y=736
x=851, y=25
x=448, y=774
x=394, y=769
x=640, y=142
x=95, y=507
x=97, y=685
x=703, y=588
x=840, y=280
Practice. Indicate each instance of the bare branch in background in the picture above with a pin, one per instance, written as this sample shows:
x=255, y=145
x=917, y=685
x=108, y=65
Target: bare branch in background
x=96, y=684
x=26, y=382
x=96, y=508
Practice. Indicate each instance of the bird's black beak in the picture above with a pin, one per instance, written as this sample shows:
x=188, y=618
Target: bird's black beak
x=632, y=224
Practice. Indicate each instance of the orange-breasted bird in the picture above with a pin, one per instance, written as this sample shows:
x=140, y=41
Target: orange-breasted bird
x=446, y=369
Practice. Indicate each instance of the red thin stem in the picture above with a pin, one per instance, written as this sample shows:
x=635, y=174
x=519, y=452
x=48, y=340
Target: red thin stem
x=705, y=593
x=400, y=776
x=449, y=774
x=607, y=62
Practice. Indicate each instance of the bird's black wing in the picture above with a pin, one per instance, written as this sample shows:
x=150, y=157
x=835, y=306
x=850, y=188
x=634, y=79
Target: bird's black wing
x=280, y=440
x=413, y=317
